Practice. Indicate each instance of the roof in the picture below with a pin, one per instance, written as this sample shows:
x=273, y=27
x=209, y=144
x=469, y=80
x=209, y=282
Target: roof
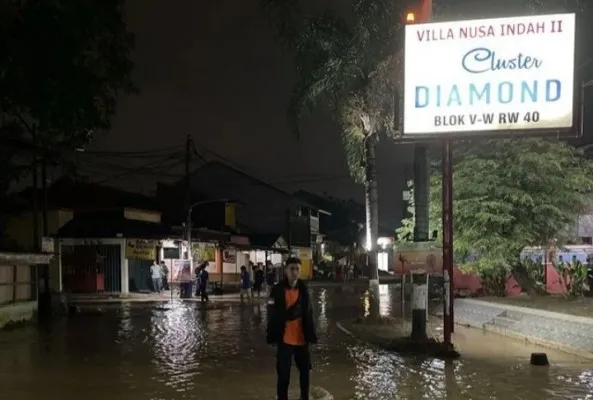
x=110, y=225
x=79, y=195
x=345, y=218
x=263, y=206
x=264, y=240
x=318, y=202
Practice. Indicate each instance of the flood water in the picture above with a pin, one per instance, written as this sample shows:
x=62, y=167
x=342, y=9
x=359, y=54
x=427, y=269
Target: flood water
x=187, y=351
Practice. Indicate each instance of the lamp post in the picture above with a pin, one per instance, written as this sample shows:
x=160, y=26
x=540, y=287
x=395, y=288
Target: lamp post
x=188, y=226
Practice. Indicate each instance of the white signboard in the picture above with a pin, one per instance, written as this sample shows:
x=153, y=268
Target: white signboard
x=503, y=74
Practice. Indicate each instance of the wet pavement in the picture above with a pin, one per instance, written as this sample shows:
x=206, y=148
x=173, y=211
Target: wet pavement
x=188, y=351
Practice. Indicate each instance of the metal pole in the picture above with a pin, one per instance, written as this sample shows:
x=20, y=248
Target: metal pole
x=35, y=207
x=189, y=239
x=171, y=278
x=427, y=295
x=188, y=208
x=447, y=221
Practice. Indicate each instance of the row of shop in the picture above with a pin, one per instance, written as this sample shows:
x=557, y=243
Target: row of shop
x=122, y=265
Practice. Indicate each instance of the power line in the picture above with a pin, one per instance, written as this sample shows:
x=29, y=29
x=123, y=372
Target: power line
x=174, y=160
x=143, y=153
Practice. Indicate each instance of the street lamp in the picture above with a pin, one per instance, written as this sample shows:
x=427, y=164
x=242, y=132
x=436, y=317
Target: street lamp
x=188, y=226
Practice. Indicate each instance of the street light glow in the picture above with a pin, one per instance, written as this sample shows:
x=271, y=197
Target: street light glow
x=410, y=18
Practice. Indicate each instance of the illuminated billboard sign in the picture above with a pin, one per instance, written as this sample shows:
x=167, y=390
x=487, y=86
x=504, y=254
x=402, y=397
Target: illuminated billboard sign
x=490, y=75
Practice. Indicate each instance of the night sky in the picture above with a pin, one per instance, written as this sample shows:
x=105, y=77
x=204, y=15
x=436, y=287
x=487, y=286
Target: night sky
x=212, y=69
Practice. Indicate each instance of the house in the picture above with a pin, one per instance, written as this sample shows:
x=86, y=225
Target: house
x=343, y=233
x=259, y=208
x=105, y=238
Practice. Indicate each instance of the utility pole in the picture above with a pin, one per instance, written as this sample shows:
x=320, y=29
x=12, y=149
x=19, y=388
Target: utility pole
x=45, y=295
x=44, y=207
x=447, y=221
x=35, y=206
x=187, y=207
x=422, y=12
x=289, y=230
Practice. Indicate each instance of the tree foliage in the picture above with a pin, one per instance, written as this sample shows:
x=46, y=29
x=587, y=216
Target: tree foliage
x=344, y=65
x=512, y=193
x=63, y=64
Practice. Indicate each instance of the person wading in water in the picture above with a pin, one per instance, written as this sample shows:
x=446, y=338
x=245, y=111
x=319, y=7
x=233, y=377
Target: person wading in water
x=291, y=328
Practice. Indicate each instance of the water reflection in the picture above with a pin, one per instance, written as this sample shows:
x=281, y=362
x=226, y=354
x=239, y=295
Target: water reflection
x=384, y=301
x=187, y=351
x=177, y=336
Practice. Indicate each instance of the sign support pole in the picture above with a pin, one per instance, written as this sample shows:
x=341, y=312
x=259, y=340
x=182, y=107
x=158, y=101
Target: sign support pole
x=447, y=220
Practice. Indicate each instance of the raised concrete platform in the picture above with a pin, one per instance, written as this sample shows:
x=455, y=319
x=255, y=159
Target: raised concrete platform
x=564, y=332
x=102, y=298
x=17, y=313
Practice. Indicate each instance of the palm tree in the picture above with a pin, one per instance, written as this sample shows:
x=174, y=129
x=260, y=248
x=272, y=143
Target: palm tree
x=349, y=66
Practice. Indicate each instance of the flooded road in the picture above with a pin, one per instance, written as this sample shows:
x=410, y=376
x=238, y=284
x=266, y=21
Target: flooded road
x=186, y=351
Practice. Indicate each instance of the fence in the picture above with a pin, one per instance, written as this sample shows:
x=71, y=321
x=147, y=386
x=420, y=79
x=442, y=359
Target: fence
x=18, y=283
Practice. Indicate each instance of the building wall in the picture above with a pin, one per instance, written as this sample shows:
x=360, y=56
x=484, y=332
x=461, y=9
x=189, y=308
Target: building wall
x=230, y=270
x=142, y=215
x=17, y=283
x=305, y=254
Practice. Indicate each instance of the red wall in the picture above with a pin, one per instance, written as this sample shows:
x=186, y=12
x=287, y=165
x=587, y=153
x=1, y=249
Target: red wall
x=470, y=284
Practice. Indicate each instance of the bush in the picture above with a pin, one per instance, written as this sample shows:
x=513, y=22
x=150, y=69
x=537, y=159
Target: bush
x=494, y=281
x=535, y=271
x=493, y=276
x=573, y=277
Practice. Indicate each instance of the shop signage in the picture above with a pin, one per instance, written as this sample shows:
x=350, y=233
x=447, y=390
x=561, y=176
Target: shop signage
x=138, y=249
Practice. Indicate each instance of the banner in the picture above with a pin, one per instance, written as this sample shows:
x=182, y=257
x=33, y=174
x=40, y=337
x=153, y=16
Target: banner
x=502, y=75
x=138, y=249
x=181, y=271
x=229, y=256
x=203, y=252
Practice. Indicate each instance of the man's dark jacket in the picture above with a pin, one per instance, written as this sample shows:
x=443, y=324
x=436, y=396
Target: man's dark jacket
x=278, y=314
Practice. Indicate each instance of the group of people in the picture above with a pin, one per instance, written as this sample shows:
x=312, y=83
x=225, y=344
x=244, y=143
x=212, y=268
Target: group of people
x=249, y=288
x=202, y=278
x=160, y=276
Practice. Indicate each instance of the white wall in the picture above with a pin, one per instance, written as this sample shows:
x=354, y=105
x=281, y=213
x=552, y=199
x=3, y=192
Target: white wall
x=234, y=268
x=276, y=258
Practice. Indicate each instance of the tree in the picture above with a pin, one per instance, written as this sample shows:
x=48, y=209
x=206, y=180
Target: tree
x=347, y=65
x=509, y=194
x=62, y=68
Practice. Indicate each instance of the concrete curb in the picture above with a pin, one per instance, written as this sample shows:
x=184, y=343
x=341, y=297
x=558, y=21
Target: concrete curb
x=529, y=339
x=512, y=333
x=130, y=300
x=533, y=311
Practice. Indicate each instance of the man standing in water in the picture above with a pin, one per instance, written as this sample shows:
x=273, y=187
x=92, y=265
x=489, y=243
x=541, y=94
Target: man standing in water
x=157, y=276
x=203, y=283
x=291, y=328
x=258, y=281
x=165, y=272
x=245, y=283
